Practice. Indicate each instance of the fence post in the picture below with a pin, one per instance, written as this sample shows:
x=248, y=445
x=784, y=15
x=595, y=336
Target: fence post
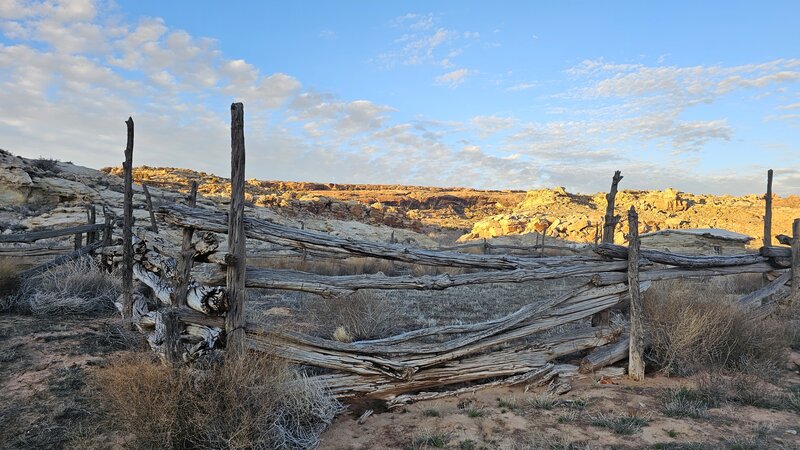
x=127, y=226
x=187, y=254
x=153, y=225
x=234, y=319
x=636, y=349
x=78, y=241
x=609, y=225
x=91, y=218
x=795, y=288
x=107, y=229
x=768, y=211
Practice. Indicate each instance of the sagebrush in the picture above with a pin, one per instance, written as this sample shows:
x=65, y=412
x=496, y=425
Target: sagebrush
x=694, y=326
x=253, y=402
x=76, y=288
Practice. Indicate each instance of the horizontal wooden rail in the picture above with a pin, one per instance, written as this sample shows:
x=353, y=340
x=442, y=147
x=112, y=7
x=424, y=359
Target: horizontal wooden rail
x=61, y=260
x=686, y=261
x=521, y=248
x=263, y=230
x=332, y=286
x=37, y=235
x=608, y=278
x=34, y=251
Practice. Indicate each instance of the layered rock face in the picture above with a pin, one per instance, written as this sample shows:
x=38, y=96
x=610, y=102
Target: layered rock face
x=579, y=218
x=476, y=214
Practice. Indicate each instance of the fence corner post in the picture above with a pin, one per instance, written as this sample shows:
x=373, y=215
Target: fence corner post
x=149, y=200
x=234, y=319
x=795, y=288
x=127, y=227
x=636, y=349
x=768, y=211
x=609, y=225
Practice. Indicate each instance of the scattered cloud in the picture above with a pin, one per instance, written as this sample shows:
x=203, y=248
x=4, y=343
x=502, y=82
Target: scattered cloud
x=522, y=87
x=327, y=33
x=453, y=79
x=71, y=72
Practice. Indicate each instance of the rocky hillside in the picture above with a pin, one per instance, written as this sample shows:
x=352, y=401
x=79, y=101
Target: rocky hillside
x=476, y=214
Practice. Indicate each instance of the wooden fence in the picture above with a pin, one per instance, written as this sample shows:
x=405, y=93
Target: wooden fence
x=63, y=253
x=203, y=284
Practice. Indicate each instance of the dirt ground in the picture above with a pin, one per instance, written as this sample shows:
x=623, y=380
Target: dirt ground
x=510, y=418
x=44, y=365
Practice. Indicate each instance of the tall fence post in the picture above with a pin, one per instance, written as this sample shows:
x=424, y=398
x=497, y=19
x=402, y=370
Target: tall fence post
x=636, y=349
x=234, y=319
x=127, y=226
x=609, y=225
x=795, y=288
x=149, y=201
x=768, y=211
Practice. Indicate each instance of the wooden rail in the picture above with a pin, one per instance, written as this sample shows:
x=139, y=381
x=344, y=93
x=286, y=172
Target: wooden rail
x=33, y=236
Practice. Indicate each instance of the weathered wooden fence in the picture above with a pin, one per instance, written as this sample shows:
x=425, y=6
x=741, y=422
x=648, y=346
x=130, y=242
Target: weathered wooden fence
x=203, y=283
x=63, y=253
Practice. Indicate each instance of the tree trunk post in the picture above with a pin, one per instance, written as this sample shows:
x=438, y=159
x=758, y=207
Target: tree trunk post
x=795, y=288
x=149, y=200
x=636, y=351
x=768, y=211
x=107, y=229
x=609, y=225
x=234, y=319
x=91, y=219
x=127, y=226
x=78, y=240
x=184, y=272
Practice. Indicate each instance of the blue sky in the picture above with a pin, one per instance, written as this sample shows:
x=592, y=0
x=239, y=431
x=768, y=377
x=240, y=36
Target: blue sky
x=700, y=96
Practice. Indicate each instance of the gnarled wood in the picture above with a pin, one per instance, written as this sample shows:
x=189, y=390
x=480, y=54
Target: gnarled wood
x=606, y=355
x=332, y=286
x=686, y=261
x=636, y=354
x=263, y=230
x=234, y=319
x=608, y=278
x=768, y=211
x=127, y=227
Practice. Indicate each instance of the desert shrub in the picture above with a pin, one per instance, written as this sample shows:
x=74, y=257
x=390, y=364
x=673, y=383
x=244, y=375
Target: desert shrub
x=620, y=423
x=361, y=315
x=8, y=283
x=693, y=326
x=46, y=164
x=76, y=288
x=684, y=402
x=251, y=402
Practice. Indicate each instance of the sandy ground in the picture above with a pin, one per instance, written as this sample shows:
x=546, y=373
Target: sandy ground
x=505, y=418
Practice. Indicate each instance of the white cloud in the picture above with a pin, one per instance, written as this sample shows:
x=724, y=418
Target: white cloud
x=453, y=79
x=521, y=87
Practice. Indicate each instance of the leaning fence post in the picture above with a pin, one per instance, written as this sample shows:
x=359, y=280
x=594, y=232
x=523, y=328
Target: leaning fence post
x=609, y=225
x=768, y=211
x=795, y=288
x=149, y=201
x=636, y=349
x=127, y=227
x=234, y=319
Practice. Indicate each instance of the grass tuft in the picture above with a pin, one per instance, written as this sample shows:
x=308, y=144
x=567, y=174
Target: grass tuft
x=620, y=423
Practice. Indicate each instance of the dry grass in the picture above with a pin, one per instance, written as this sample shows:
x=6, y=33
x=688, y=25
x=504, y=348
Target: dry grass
x=254, y=402
x=77, y=288
x=359, y=316
x=8, y=283
x=694, y=326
